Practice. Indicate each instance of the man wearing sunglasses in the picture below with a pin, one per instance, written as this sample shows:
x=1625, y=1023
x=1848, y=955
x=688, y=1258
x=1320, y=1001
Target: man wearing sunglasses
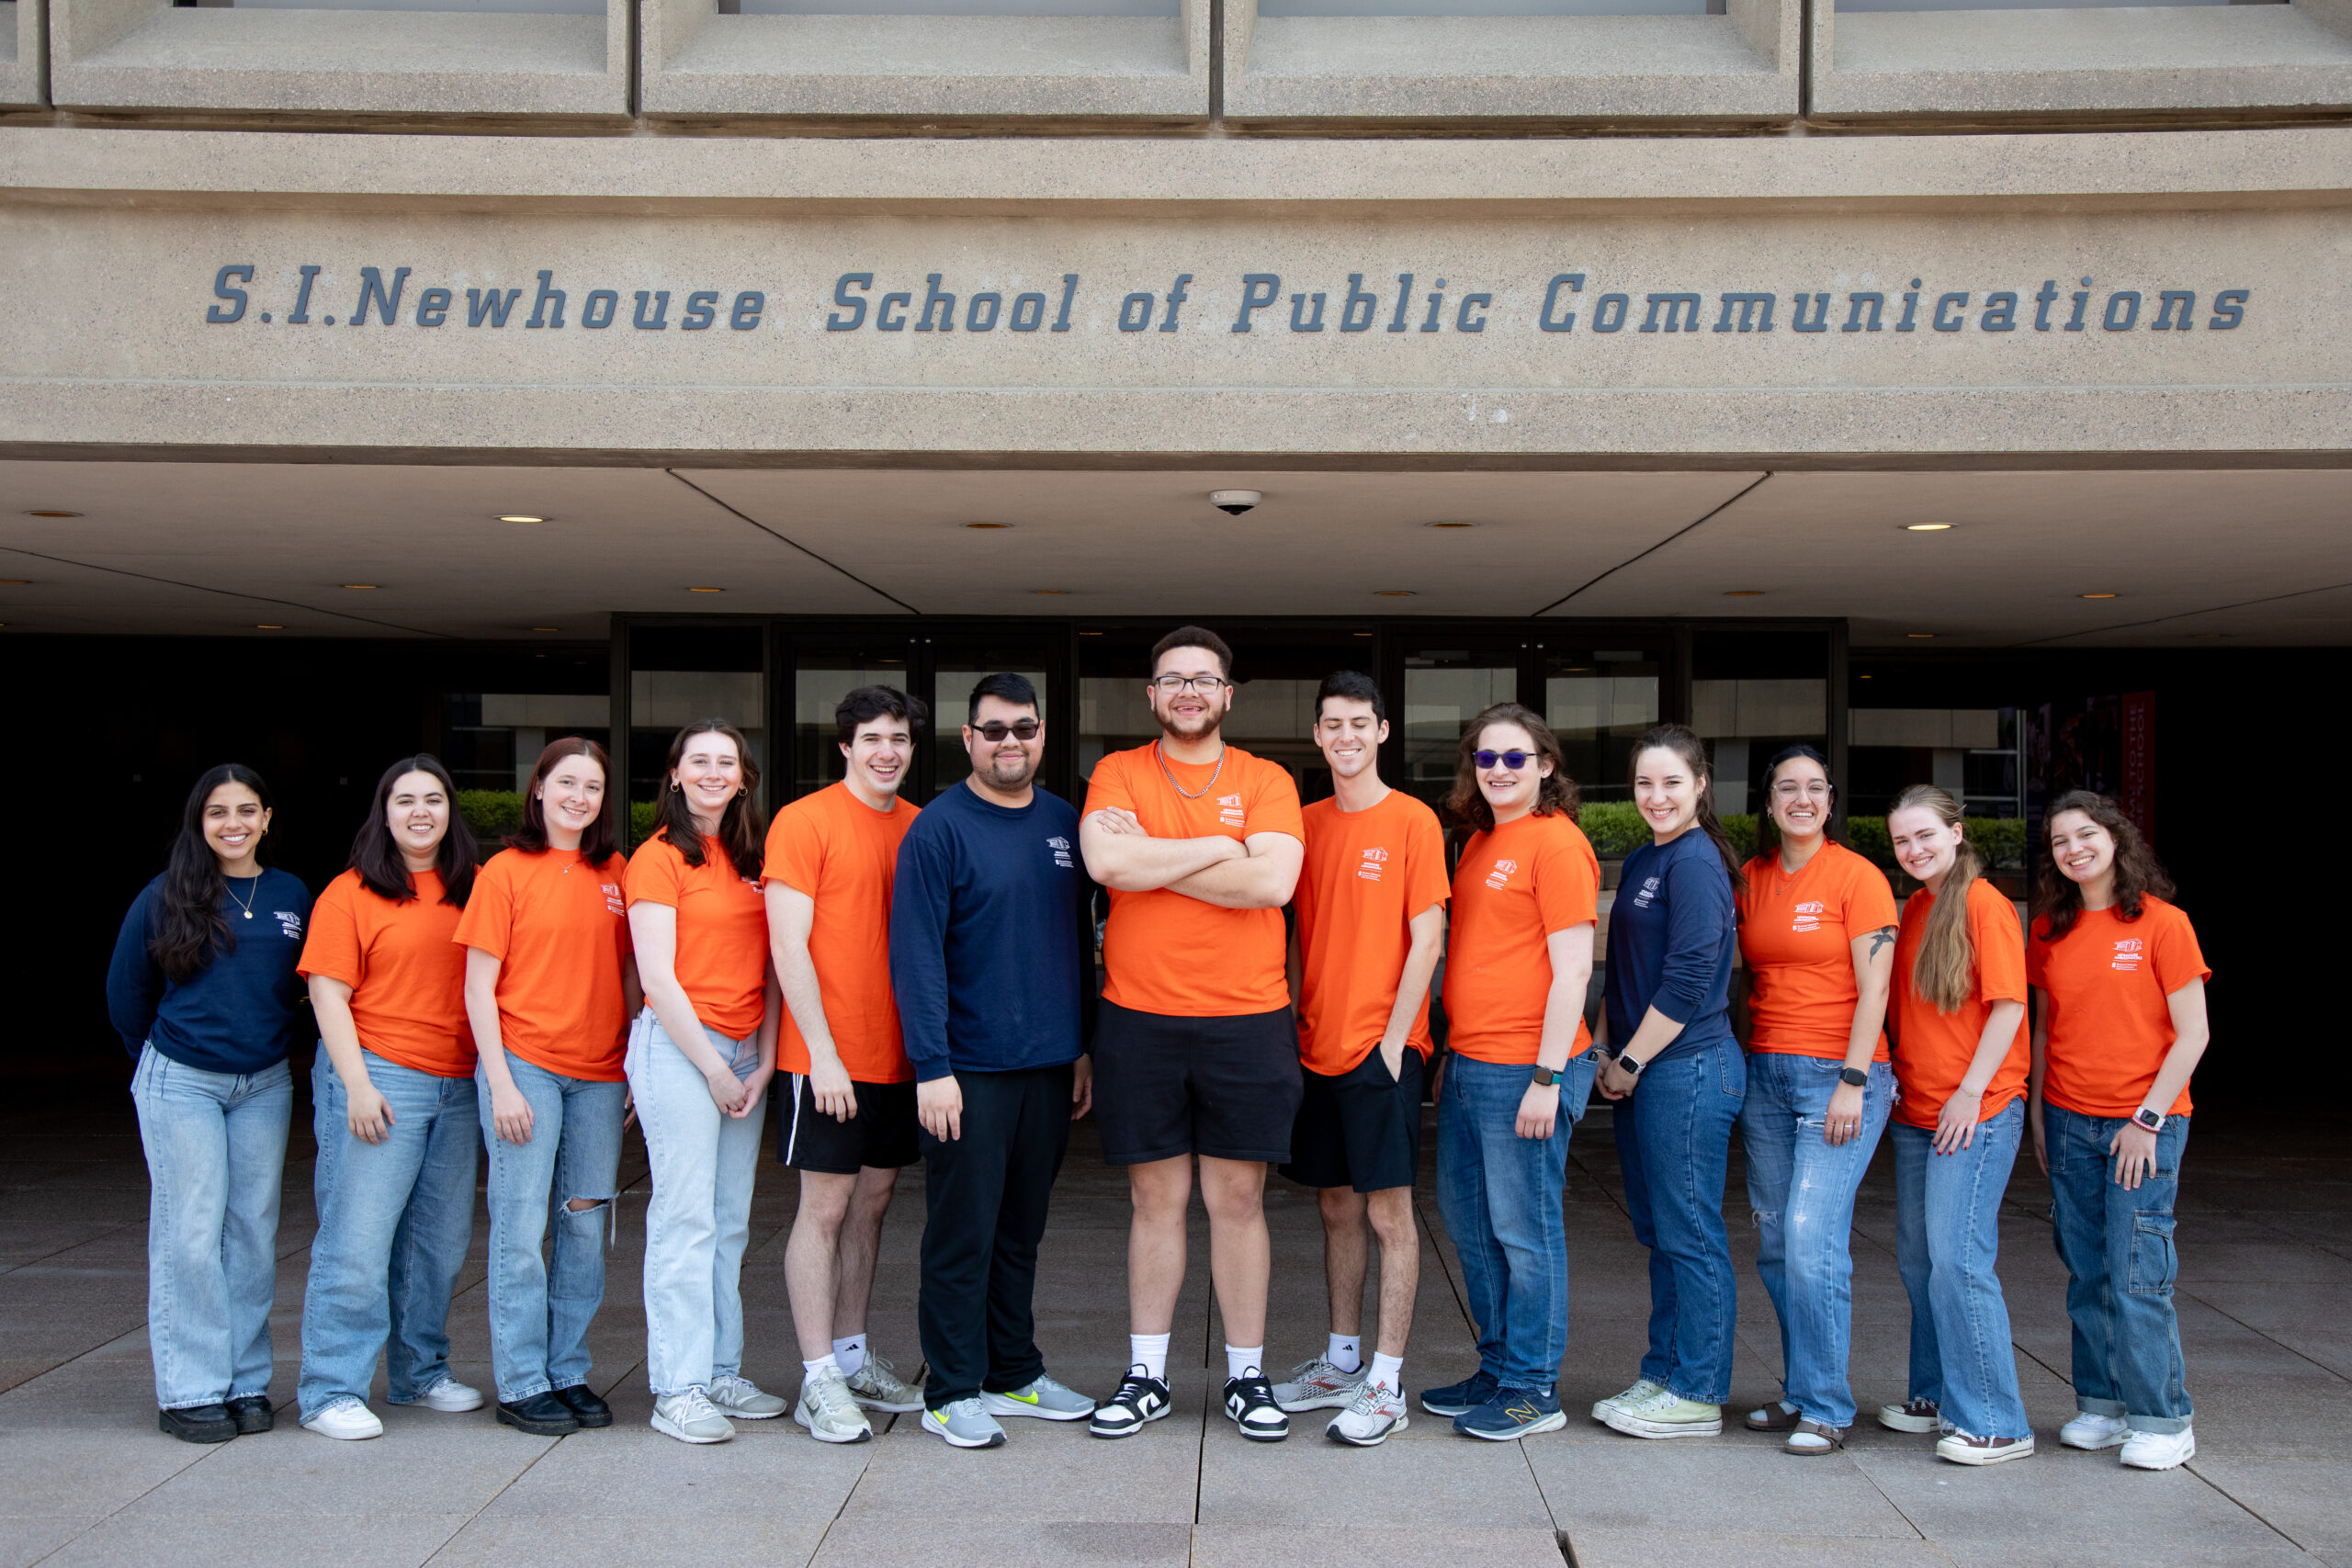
x=991, y=957
x=1200, y=844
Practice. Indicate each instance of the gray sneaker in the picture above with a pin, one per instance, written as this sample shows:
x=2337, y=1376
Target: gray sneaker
x=741, y=1398
x=965, y=1425
x=829, y=1412
x=691, y=1417
x=1642, y=1389
x=1376, y=1411
x=876, y=1385
x=1319, y=1385
x=1043, y=1397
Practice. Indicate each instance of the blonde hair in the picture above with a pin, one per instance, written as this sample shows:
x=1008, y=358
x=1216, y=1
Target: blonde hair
x=1944, y=969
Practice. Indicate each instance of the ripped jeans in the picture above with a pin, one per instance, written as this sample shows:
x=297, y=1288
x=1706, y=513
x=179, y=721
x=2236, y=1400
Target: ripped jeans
x=539, y=1310
x=1802, y=1188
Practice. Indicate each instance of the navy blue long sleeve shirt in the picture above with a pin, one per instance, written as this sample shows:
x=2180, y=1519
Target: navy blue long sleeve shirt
x=1672, y=933
x=991, y=946
x=237, y=1015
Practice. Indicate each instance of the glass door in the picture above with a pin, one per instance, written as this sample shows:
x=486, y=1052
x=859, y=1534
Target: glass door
x=1599, y=696
x=1447, y=680
x=828, y=663
x=960, y=660
x=678, y=674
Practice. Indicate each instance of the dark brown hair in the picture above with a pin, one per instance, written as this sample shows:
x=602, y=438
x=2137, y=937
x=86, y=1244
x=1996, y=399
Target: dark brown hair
x=2138, y=873
x=740, y=830
x=1684, y=742
x=1555, y=792
x=596, y=842
x=1944, y=969
x=191, y=929
x=378, y=859
x=1191, y=637
x=1767, y=831
x=869, y=702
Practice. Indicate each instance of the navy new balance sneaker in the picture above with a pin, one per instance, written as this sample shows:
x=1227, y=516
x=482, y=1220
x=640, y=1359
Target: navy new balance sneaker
x=1513, y=1413
x=1461, y=1398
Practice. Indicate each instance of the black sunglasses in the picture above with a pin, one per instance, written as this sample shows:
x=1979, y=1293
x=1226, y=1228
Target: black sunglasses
x=1514, y=761
x=997, y=729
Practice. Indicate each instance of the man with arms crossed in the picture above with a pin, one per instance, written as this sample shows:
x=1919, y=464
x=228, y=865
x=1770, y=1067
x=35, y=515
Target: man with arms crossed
x=1197, y=1052
x=1370, y=926
x=849, y=1123
x=992, y=954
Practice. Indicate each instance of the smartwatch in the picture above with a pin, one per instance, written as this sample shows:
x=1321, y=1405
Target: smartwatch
x=2148, y=1121
x=1632, y=1068
x=1544, y=1077
x=1853, y=1077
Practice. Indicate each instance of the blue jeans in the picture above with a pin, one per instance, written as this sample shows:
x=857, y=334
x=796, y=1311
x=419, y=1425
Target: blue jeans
x=216, y=1161
x=395, y=1218
x=1802, y=1188
x=1674, y=1149
x=1947, y=1239
x=539, y=1311
x=699, y=1220
x=2117, y=1250
x=1501, y=1195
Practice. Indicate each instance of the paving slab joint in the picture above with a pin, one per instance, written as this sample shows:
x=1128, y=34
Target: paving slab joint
x=1567, y=1549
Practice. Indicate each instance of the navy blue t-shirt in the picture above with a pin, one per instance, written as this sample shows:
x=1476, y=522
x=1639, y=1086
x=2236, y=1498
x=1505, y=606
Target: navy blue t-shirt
x=237, y=1014
x=1672, y=933
x=991, y=946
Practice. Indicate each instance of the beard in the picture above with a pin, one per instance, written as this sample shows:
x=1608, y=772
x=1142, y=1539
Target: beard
x=1009, y=773
x=1199, y=727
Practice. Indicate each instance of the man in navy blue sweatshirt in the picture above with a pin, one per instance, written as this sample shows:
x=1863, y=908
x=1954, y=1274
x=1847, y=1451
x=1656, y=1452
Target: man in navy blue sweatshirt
x=991, y=957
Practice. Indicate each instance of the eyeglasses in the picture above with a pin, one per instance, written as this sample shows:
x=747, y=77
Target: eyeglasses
x=1514, y=761
x=1208, y=685
x=997, y=729
x=1789, y=789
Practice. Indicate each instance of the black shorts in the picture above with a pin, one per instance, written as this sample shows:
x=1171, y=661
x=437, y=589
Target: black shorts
x=1227, y=1087
x=1362, y=1129
x=882, y=1134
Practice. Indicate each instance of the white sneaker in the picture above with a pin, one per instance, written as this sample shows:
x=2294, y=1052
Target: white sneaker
x=828, y=1410
x=1375, y=1413
x=691, y=1417
x=1319, y=1385
x=2159, y=1450
x=878, y=1386
x=740, y=1399
x=965, y=1425
x=450, y=1395
x=1641, y=1390
x=2092, y=1433
x=350, y=1420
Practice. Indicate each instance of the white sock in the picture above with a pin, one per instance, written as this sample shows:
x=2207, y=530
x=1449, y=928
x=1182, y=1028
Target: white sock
x=1388, y=1372
x=1148, y=1352
x=850, y=1354
x=1241, y=1363
x=1346, y=1352
x=821, y=1365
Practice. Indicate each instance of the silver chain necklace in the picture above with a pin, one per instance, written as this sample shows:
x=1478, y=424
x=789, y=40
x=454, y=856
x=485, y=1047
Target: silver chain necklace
x=1161, y=755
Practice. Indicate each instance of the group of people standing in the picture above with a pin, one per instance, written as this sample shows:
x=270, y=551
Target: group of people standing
x=926, y=982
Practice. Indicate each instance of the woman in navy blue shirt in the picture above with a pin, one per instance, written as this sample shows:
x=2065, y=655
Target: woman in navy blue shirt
x=1679, y=1078
x=203, y=992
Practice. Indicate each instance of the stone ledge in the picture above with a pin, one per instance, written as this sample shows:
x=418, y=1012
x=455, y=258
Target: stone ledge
x=24, y=55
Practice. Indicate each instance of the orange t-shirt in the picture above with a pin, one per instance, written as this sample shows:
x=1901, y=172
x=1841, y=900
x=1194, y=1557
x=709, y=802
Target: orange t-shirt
x=1169, y=952
x=1367, y=874
x=844, y=854
x=2109, y=981
x=1796, y=934
x=1516, y=886
x=721, y=959
x=1932, y=1049
x=560, y=933
x=407, y=977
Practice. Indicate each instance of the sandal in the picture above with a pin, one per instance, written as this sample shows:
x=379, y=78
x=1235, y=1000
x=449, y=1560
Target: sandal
x=1812, y=1440
x=1777, y=1416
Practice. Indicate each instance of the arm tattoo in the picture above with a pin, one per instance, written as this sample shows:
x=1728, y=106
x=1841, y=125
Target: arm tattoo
x=1879, y=939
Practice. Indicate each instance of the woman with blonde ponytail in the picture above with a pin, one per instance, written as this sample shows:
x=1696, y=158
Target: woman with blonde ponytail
x=1959, y=1065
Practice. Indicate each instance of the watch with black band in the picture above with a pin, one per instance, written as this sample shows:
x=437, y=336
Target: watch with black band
x=1853, y=1077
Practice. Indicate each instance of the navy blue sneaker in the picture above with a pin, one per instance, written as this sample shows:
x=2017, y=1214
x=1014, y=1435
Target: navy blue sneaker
x=1513, y=1413
x=1461, y=1398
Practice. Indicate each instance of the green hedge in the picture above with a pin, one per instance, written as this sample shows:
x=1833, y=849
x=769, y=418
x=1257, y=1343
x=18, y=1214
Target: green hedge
x=1616, y=830
x=495, y=813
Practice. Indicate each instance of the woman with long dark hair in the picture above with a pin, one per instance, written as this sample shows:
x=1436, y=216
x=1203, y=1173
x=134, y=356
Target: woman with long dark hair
x=1960, y=1063
x=549, y=990
x=1677, y=1076
x=393, y=1108
x=700, y=1057
x=203, y=992
x=1520, y=1073
x=1816, y=924
x=2119, y=1025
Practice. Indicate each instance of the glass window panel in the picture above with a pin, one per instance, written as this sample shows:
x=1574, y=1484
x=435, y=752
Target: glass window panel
x=1445, y=688
x=958, y=672
x=1753, y=693
x=494, y=739
x=1598, y=700
x=821, y=677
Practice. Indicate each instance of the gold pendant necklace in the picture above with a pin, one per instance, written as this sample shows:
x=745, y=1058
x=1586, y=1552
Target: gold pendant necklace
x=248, y=904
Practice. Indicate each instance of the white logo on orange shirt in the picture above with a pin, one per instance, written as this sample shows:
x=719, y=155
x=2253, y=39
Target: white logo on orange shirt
x=1808, y=916
x=1501, y=874
x=613, y=901
x=1369, y=869
x=1229, y=810
x=2128, y=953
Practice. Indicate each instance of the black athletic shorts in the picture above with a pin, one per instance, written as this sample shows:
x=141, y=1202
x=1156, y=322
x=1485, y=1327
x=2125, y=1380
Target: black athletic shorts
x=1362, y=1129
x=1164, y=1086
x=882, y=1134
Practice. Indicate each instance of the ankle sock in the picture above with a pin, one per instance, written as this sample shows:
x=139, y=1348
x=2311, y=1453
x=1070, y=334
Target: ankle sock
x=1346, y=1352
x=1240, y=1363
x=1388, y=1372
x=822, y=1364
x=850, y=1354
x=1148, y=1352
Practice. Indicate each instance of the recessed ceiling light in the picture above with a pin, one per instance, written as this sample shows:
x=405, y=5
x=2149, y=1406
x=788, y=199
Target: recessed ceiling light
x=547, y=629
x=1392, y=593
x=1050, y=591
x=706, y=590
x=1743, y=593
x=45, y=514
x=1364, y=634
x=519, y=517
x=1866, y=677
x=1927, y=527
x=267, y=626
x=2102, y=595
x=360, y=585
x=1090, y=634
x=15, y=582
x=1918, y=634
x=1454, y=524
x=988, y=524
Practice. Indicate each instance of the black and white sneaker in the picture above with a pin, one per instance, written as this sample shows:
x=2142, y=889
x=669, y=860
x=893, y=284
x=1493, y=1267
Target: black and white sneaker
x=1249, y=1404
x=1141, y=1398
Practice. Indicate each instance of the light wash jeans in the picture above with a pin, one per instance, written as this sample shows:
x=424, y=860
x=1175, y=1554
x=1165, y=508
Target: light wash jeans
x=216, y=1161
x=1674, y=1150
x=539, y=1311
x=1499, y=1195
x=699, y=1219
x=1802, y=1188
x=1947, y=1239
x=395, y=1218
x=2118, y=1249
